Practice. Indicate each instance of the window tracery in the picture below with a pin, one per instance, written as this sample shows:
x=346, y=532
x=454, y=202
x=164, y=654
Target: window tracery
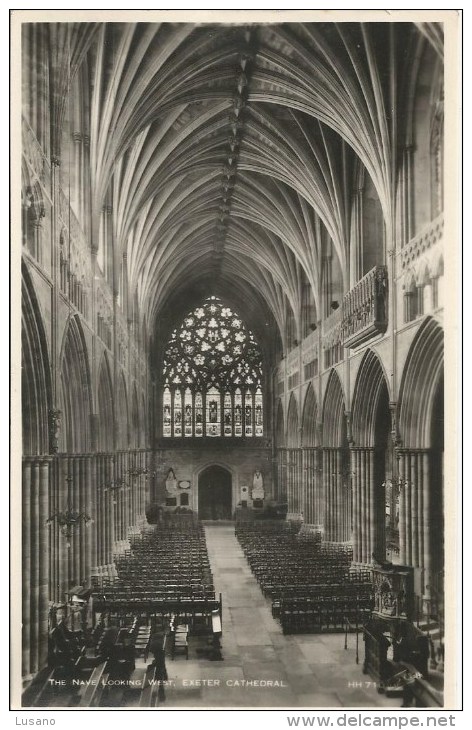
x=212, y=376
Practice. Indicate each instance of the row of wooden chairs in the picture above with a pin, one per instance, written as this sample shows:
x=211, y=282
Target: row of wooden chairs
x=323, y=617
x=310, y=582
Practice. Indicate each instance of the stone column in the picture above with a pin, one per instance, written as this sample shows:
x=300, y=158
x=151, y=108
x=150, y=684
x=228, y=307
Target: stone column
x=44, y=594
x=371, y=498
x=100, y=511
x=90, y=534
x=356, y=507
x=76, y=532
x=327, y=494
x=84, y=530
x=34, y=568
x=128, y=493
x=26, y=567
x=415, y=474
x=110, y=520
x=77, y=171
x=363, y=506
x=426, y=526
x=407, y=489
x=402, y=505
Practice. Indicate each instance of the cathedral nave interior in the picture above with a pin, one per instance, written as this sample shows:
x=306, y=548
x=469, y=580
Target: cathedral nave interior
x=232, y=364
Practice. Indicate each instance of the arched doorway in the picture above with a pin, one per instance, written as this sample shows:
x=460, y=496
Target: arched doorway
x=214, y=494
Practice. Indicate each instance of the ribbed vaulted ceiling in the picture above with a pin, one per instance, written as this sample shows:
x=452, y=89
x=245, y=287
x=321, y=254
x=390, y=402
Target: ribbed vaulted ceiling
x=230, y=151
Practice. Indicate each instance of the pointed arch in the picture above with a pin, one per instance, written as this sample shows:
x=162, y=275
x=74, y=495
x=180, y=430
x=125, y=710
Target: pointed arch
x=421, y=377
x=35, y=372
x=105, y=406
x=309, y=417
x=75, y=389
x=292, y=423
x=369, y=390
x=334, y=425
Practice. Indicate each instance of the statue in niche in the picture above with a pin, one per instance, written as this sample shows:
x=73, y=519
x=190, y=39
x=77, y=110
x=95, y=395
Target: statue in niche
x=171, y=482
x=257, y=485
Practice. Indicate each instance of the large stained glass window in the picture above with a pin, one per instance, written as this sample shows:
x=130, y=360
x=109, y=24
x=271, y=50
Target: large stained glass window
x=212, y=376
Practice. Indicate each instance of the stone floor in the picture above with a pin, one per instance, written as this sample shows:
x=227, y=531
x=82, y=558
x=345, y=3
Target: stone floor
x=305, y=670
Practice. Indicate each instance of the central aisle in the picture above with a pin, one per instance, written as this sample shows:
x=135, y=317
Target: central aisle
x=306, y=671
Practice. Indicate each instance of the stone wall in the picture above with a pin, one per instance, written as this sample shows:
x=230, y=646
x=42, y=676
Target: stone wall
x=189, y=463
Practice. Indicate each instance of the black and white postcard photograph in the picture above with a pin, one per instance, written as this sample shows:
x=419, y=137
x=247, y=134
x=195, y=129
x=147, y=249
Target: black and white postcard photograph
x=235, y=261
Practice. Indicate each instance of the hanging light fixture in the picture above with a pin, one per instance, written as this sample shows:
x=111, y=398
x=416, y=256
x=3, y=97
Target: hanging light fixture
x=68, y=521
x=137, y=471
x=114, y=486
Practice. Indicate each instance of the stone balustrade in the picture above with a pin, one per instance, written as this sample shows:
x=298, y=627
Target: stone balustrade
x=422, y=242
x=364, y=308
x=332, y=339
